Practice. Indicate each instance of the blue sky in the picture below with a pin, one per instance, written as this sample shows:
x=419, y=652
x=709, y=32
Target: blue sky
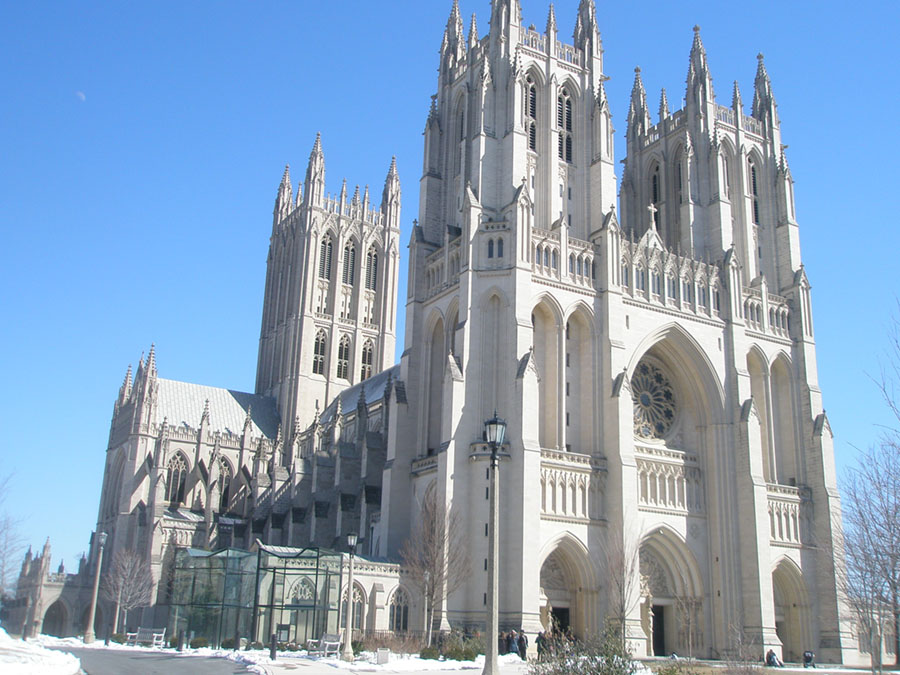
x=141, y=145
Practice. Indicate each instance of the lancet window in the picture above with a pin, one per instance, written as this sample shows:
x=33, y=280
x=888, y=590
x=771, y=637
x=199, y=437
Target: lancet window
x=349, y=264
x=531, y=113
x=564, y=122
x=224, y=485
x=176, y=477
x=343, y=360
x=371, y=269
x=319, y=353
x=490, y=248
x=368, y=360
x=754, y=192
x=325, y=251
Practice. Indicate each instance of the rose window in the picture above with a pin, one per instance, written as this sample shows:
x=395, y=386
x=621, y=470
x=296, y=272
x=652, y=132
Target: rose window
x=654, y=402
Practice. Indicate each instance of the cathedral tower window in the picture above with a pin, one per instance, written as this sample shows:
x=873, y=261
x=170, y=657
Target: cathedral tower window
x=490, y=248
x=655, y=195
x=343, y=361
x=176, y=477
x=726, y=176
x=679, y=179
x=224, y=485
x=371, y=269
x=564, y=122
x=368, y=360
x=319, y=353
x=499, y=247
x=349, y=264
x=531, y=113
x=325, y=251
x=754, y=192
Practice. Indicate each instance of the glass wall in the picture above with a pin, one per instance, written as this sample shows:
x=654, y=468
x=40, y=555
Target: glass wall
x=233, y=594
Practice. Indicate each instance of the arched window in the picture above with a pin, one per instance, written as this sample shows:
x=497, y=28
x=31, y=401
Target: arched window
x=368, y=359
x=564, y=122
x=679, y=179
x=754, y=191
x=371, y=269
x=349, y=264
x=325, y=258
x=176, y=477
x=640, y=279
x=572, y=264
x=490, y=248
x=358, y=608
x=224, y=485
x=555, y=261
x=398, y=620
x=343, y=362
x=546, y=257
x=319, y=353
x=624, y=272
x=499, y=248
x=655, y=282
x=655, y=194
x=726, y=176
x=531, y=113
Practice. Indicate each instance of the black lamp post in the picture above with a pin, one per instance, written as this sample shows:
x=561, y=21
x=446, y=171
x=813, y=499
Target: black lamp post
x=89, y=629
x=347, y=654
x=495, y=433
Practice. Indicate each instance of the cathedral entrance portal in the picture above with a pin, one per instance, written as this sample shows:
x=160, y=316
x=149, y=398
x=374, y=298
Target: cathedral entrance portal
x=566, y=582
x=55, y=620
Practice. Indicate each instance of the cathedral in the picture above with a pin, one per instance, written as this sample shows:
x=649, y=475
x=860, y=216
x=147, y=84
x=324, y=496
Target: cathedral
x=668, y=461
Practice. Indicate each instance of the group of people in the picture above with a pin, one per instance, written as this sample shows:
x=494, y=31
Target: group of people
x=772, y=660
x=553, y=641
x=513, y=642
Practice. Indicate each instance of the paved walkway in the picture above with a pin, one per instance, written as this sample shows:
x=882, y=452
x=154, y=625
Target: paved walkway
x=117, y=662
x=300, y=666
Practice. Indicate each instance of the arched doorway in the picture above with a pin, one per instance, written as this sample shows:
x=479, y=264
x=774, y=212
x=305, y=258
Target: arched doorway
x=99, y=630
x=567, y=585
x=56, y=620
x=791, y=610
x=671, y=597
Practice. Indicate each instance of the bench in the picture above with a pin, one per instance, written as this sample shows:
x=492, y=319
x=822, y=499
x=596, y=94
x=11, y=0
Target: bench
x=328, y=644
x=155, y=637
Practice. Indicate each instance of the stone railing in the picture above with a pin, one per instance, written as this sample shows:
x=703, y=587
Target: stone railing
x=725, y=115
x=786, y=517
x=571, y=486
x=770, y=315
x=669, y=481
x=753, y=125
x=424, y=465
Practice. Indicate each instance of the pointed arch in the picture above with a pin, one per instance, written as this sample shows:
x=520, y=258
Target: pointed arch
x=546, y=320
x=758, y=368
x=226, y=477
x=176, y=479
x=320, y=351
x=348, y=275
x=791, y=599
x=398, y=612
x=372, y=268
x=367, y=360
x=787, y=468
x=434, y=379
x=343, y=359
x=568, y=579
x=326, y=253
x=580, y=366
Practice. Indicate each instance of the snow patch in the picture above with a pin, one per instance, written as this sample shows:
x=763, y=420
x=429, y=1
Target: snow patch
x=29, y=658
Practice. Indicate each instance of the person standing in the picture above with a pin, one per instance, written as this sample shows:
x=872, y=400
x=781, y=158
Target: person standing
x=523, y=645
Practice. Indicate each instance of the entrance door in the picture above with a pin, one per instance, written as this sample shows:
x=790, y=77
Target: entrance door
x=659, y=630
x=560, y=618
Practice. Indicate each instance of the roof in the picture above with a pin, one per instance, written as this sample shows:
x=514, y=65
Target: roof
x=182, y=403
x=373, y=390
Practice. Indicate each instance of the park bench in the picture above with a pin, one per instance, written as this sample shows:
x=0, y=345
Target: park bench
x=147, y=636
x=328, y=644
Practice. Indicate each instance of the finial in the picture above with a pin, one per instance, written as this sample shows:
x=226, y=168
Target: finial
x=205, y=416
x=151, y=360
x=551, y=20
x=696, y=28
x=248, y=420
x=760, y=57
x=473, y=32
x=637, y=70
x=393, y=170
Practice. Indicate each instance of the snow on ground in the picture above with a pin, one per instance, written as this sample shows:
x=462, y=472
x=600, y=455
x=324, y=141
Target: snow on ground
x=28, y=658
x=256, y=661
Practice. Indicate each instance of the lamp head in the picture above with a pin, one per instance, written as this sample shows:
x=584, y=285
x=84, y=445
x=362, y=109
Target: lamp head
x=101, y=539
x=495, y=430
x=351, y=540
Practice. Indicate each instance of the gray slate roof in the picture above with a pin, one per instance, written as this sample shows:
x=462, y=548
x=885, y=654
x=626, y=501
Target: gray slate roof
x=181, y=403
x=373, y=391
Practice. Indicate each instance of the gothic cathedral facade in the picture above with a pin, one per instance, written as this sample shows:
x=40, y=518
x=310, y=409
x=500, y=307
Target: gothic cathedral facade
x=668, y=458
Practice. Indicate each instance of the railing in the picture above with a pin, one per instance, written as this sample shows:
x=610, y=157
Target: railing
x=725, y=115
x=751, y=124
x=424, y=465
x=669, y=481
x=786, y=518
x=533, y=39
x=571, y=486
x=772, y=316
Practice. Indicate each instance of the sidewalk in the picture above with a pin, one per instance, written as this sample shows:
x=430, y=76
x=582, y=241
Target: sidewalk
x=406, y=666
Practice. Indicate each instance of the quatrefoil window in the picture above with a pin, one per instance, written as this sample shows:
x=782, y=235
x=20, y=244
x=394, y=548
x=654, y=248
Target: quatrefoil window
x=654, y=402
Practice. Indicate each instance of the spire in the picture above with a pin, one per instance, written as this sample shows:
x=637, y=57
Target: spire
x=391, y=185
x=314, y=185
x=355, y=199
x=151, y=361
x=699, y=80
x=663, y=105
x=551, y=22
x=473, y=33
x=763, y=98
x=343, y=196
x=587, y=34
x=366, y=198
x=125, y=390
x=248, y=419
x=453, y=45
x=736, y=102
x=284, y=199
x=299, y=198
x=506, y=16
x=204, y=418
x=638, y=115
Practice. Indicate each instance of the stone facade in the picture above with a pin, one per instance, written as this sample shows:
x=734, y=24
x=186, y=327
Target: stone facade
x=667, y=450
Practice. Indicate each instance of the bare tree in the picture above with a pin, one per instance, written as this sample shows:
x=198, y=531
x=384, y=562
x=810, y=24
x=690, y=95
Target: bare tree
x=127, y=583
x=11, y=542
x=871, y=543
x=623, y=563
x=435, y=556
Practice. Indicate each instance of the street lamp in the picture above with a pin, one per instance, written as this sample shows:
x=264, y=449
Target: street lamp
x=89, y=630
x=347, y=654
x=495, y=433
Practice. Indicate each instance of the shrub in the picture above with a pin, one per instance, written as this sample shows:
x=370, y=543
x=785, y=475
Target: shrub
x=173, y=641
x=199, y=642
x=118, y=637
x=228, y=643
x=431, y=653
x=595, y=655
x=256, y=645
